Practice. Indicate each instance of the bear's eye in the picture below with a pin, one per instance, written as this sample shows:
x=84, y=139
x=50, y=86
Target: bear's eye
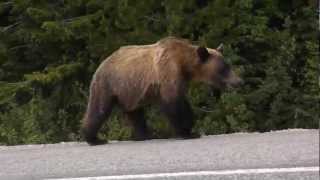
x=224, y=69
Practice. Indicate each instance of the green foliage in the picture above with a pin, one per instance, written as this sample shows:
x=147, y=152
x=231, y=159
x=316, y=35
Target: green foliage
x=115, y=128
x=50, y=49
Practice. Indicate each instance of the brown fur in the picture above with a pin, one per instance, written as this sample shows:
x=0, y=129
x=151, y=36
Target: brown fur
x=135, y=74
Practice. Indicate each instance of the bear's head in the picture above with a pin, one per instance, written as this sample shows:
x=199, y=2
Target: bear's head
x=212, y=69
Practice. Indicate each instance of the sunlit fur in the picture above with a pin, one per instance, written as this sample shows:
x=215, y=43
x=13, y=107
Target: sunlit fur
x=133, y=75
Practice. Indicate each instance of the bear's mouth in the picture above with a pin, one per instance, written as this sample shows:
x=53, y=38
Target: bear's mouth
x=219, y=84
x=234, y=82
x=227, y=84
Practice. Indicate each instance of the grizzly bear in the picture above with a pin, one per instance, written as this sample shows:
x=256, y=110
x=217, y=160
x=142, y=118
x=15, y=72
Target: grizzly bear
x=134, y=76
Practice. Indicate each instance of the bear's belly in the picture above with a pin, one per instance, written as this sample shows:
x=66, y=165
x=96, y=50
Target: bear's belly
x=152, y=95
x=135, y=97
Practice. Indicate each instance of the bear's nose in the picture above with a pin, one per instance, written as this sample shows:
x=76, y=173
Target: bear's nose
x=236, y=82
x=240, y=82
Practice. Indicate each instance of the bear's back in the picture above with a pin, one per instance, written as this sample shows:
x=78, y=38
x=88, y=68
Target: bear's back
x=140, y=68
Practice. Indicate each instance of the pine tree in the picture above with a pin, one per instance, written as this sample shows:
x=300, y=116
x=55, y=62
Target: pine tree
x=50, y=49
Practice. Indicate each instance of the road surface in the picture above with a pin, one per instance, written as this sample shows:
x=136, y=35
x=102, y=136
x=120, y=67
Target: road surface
x=290, y=154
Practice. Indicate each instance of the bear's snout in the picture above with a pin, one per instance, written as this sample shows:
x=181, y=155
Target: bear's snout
x=234, y=81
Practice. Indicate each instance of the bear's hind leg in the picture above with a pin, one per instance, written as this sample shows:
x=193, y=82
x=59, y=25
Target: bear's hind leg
x=99, y=108
x=137, y=121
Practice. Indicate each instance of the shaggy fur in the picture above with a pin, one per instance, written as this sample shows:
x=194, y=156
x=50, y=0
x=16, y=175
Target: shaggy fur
x=134, y=75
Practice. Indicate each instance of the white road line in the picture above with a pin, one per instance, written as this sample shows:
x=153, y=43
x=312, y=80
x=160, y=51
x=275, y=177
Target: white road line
x=200, y=173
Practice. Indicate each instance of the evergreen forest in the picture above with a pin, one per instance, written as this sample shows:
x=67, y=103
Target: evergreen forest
x=49, y=50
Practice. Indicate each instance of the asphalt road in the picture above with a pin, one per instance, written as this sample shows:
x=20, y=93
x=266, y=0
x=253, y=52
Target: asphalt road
x=292, y=154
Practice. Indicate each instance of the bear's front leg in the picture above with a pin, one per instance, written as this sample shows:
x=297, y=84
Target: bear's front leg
x=180, y=114
x=136, y=120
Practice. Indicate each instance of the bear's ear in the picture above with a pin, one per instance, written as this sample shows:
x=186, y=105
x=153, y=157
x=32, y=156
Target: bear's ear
x=220, y=48
x=203, y=53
